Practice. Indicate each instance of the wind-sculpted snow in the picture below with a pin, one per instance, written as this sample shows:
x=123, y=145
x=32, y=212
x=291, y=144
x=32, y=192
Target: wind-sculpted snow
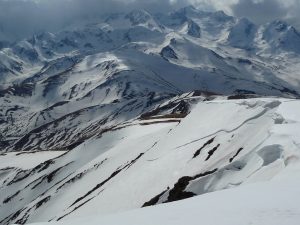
x=261, y=204
x=174, y=152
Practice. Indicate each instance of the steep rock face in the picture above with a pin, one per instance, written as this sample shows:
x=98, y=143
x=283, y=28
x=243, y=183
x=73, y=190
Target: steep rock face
x=242, y=34
x=26, y=51
x=168, y=52
x=193, y=29
x=280, y=35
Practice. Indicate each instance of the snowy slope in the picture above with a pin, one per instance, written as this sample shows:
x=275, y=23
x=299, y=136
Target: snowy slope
x=261, y=204
x=162, y=157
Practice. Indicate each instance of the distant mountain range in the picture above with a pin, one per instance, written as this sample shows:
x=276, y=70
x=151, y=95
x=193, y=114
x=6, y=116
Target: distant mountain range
x=136, y=60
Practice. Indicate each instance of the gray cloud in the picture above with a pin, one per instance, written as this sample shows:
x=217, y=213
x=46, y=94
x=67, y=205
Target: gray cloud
x=260, y=11
x=22, y=18
x=293, y=15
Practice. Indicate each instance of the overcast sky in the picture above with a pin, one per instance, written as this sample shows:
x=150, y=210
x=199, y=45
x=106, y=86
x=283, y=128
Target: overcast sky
x=21, y=18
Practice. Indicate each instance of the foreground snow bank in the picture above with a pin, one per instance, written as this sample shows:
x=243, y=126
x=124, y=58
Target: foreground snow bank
x=267, y=203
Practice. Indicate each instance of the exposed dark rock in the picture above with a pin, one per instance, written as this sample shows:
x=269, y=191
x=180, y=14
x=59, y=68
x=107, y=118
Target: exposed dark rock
x=157, y=122
x=134, y=160
x=245, y=61
x=180, y=109
x=194, y=29
x=48, y=178
x=22, y=90
x=77, y=207
x=8, y=199
x=211, y=152
x=155, y=199
x=168, y=52
x=80, y=175
x=97, y=186
x=42, y=202
x=37, y=169
x=206, y=144
x=238, y=152
x=204, y=93
x=178, y=191
x=108, y=179
x=11, y=217
x=241, y=96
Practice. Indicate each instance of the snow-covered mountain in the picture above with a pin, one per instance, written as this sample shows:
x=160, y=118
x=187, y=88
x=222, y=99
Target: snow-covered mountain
x=85, y=110
x=135, y=61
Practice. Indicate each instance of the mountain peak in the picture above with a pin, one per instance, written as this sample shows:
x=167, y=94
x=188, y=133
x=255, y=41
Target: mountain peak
x=138, y=16
x=221, y=16
x=279, y=25
x=194, y=29
x=282, y=36
x=242, y=34
x=189, y=8
x=191, y=12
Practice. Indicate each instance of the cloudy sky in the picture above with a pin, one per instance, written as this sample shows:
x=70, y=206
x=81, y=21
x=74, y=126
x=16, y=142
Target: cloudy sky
x=21, y=18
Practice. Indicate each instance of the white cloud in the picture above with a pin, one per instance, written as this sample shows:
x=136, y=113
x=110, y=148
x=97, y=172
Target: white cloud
x=21, y=18
x=216, y=4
